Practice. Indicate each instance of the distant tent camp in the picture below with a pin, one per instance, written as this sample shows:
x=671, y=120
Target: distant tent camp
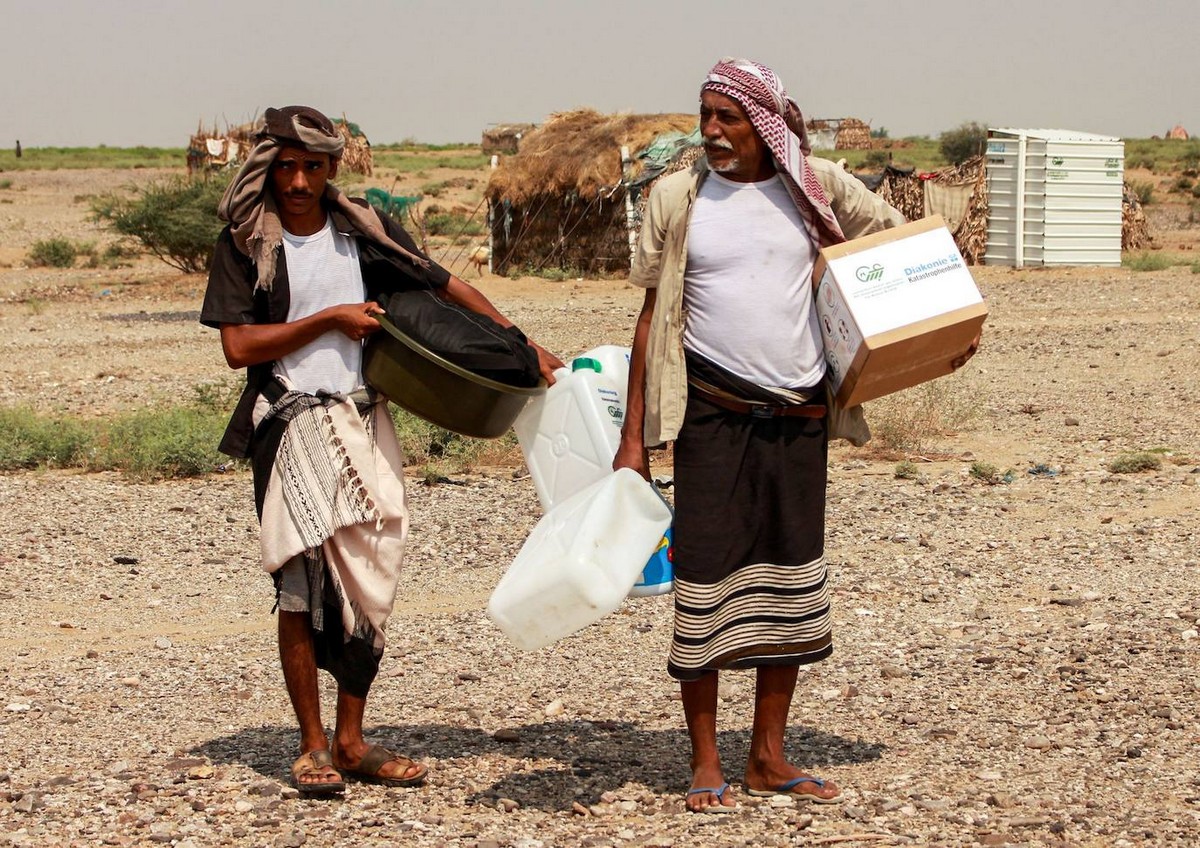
x=567, y=200
x=211, y=149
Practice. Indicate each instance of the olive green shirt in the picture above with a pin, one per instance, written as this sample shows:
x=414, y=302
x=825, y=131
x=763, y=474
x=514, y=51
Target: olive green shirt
x=661, y=260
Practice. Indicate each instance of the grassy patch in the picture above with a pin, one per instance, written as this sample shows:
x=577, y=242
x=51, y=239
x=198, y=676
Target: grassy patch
x=29, y=440
x=915, y=152
x=155, y=444
x=1161, y=154
x=1132, y=463
x=1149, y=260
x=437, y=452
x=452, y=224
x=55, y=158
x=5, y=184
x=409, y=162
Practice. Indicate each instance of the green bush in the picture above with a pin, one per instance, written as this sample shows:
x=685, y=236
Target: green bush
x=175, y=220
x=1131, y=463
x=906, y=470
x=985, y=472
x=960, y=144
x=55, y=253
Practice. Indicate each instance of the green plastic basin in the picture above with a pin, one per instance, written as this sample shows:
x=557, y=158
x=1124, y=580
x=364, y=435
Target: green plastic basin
x=430, y=387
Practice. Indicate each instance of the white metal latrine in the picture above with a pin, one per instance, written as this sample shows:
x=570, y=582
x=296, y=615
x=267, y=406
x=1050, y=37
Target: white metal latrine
x=1054, y=198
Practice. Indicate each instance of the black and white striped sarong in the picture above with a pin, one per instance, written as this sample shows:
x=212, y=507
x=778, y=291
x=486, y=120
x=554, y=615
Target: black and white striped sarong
x=751, y=587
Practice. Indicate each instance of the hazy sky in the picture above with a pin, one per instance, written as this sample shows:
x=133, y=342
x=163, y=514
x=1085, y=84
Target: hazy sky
x=128, y=72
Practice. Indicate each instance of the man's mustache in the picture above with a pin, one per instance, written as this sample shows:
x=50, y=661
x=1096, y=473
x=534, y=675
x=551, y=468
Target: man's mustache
x=719, y=143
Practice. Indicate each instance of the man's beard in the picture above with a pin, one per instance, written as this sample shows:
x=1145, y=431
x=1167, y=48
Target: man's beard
x=730, y=165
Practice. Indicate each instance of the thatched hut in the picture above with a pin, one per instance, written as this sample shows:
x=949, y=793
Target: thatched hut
x=561, y=201
x=504, y=138
x=839, y=133
x=212, y=149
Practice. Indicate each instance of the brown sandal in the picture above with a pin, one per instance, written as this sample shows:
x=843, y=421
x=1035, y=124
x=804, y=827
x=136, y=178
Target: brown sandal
x=376, y=758
x=310, y=763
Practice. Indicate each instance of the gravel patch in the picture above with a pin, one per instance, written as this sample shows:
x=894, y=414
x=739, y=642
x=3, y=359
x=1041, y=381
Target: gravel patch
x=1015, y=664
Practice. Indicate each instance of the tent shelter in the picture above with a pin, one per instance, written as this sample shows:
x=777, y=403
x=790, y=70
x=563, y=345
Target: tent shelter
x=561, y=202
x=959, y=194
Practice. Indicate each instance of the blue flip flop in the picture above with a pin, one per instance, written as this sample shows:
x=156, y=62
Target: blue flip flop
x=719, y=807
x=789, y=788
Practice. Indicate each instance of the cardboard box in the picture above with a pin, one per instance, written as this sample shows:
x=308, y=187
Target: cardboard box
x=896, y=308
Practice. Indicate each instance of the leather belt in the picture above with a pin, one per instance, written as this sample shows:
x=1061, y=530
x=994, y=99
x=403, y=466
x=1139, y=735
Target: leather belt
x=760, y=410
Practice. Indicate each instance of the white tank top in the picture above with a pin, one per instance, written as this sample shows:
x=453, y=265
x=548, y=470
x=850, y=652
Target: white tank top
x=323, y=271
x=748, y=284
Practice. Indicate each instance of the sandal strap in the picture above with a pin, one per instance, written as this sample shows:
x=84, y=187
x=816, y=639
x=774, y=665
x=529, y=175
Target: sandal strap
x=719, y=791
x=804, y=778
x=377, y=757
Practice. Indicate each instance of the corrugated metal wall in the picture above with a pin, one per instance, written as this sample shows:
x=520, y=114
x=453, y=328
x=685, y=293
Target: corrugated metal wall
x=1054, y=197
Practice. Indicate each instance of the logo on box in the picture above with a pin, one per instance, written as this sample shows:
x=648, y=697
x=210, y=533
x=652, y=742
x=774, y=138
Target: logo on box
x=867, y=273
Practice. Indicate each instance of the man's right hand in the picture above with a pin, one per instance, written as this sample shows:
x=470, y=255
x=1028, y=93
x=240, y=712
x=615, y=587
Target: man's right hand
x=250, y=344
x=633, y=456
x=356, y=320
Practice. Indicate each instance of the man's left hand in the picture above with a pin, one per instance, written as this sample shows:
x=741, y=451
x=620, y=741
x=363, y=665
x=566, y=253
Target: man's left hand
x=960, y=361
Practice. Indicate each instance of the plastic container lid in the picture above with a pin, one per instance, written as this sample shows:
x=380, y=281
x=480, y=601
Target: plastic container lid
x=582, y=362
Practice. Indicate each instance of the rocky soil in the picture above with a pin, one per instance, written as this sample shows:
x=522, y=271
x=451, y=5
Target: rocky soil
x=1016, y=662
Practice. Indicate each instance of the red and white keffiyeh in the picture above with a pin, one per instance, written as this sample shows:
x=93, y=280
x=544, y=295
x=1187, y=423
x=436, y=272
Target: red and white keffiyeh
x=778, y=122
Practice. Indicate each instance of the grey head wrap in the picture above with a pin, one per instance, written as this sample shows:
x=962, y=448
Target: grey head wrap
x=249, y=207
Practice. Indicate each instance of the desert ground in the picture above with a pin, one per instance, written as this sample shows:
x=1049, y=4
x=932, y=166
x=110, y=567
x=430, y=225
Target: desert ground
x=1016, y=662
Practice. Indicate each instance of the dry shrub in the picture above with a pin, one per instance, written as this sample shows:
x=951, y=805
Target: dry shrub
x=911, y=421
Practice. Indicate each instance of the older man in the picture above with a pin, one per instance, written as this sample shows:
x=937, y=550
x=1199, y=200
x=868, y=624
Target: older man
x=289, y=288
x=727, y=362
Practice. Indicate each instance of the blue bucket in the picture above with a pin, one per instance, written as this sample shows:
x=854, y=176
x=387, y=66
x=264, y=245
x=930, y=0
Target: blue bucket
x=658, y=577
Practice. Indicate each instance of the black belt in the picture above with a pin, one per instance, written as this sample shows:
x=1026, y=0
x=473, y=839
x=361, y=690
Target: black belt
x=760, y=410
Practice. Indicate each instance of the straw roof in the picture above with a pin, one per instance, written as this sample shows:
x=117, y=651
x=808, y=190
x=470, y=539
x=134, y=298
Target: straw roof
x=577, y=152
